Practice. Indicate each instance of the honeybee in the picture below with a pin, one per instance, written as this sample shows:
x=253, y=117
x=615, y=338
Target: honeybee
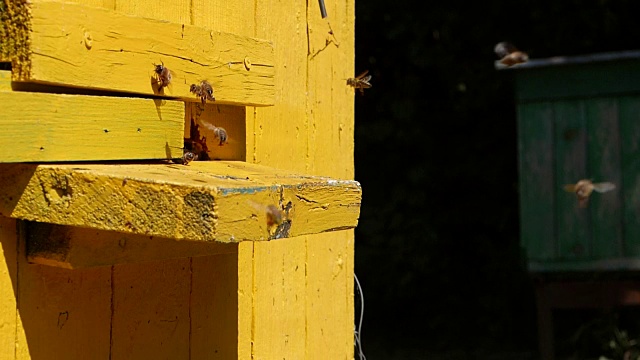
x=204, y=91
x=360, y=82
x=218, y=132
x=509, y=55
x=584, y=188
x=188, y=157
x=275, y=216
x=163, y=75
x=221, y=135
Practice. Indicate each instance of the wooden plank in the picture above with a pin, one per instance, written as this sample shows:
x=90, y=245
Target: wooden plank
x=151, y=318
x=280, y=132
x=55, y=127
x=329, y=290
x=279, y=317
x=214, y=307
x=62, y=314
x=8, y=286
x=330, y=105
x=573, y=230
x=95, y=48
x=629, y=117
x=178, y=11
x=245, y=299
x=73, y=248
x=537, y=181
x=205, y=201
x=604, y=165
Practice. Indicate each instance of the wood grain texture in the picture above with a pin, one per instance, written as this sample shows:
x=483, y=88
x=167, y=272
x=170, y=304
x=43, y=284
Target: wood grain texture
x=73, y=248
x=54, y=127
x=245, y=299
x=205, y=201
x=88, y=47
x=330, y=105
x=329, y=295
x=151, y=318
x=8, y=287
x=570, y=140
x=280, y=132
x=604, y=165
x=537, y=182
x=62, y=314
x=279, y=290
x=215, y=311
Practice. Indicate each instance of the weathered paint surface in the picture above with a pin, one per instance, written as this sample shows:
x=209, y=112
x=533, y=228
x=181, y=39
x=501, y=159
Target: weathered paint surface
x=309, y=130
x=89, y=47
x=88, y=128
x=205, y=201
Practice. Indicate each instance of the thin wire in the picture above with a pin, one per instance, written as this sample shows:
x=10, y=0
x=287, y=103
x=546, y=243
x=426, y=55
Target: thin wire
x=358, y=331
x=323, y=9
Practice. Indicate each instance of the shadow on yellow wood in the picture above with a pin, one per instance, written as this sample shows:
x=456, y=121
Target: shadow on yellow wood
x=72, y=247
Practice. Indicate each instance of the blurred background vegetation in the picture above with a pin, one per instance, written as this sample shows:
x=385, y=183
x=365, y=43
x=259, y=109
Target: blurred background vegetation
x=437, y=249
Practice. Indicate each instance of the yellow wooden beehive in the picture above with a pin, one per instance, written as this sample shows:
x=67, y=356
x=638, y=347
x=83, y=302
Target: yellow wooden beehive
x=110, y=252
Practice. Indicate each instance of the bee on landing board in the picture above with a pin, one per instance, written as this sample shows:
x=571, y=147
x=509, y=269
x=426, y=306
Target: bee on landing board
x=509, y=55
x=584, y=188
x=204, y=91
x=188, y=157
x=163, y=75
x=360, y=82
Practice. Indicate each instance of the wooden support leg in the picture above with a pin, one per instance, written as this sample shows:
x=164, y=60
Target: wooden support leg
x=545, y=323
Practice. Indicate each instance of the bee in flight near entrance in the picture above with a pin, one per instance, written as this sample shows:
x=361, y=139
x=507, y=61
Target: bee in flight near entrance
x=163, y=75
x=584, y=188
x=509, y=55
x=360, y=82
x=204, y=91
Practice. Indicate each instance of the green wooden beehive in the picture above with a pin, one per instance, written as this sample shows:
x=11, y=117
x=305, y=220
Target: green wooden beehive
x=579, y=118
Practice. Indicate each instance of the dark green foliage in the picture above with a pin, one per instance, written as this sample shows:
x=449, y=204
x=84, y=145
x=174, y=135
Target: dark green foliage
x=437, y=246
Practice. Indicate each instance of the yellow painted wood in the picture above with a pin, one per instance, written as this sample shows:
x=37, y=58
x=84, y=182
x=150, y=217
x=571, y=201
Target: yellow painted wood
x=310, y=129
x=245, y=299
x=62, y=314
x=54, y=127
x=215, y=311
x=279, y=299
x=151, y=318
x=330, y=106
x=280, y=132
x=8, y=287
x=178, y=11
x=73, y=248
x=236, y=17
x=90, y=47
x=5, y=80
x=329, y=292
x=205, y=201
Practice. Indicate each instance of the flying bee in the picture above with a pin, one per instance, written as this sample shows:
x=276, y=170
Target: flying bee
x=509, y=55
x=204, y=91
x=221, y=135
x=163, y=75
x=360, y=82
x=584, y=188
x=275, y=216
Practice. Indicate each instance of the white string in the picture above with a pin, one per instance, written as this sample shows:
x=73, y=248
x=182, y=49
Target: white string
x=358, y=330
